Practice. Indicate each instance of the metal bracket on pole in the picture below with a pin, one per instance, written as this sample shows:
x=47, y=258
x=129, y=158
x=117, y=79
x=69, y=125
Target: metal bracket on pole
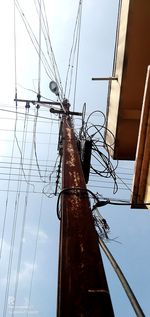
x=105, y=78
x=48, y=104
x=52, y=110
x=34, y=102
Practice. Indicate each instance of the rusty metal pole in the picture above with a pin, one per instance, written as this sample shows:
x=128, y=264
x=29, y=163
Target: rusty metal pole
x=82, y=286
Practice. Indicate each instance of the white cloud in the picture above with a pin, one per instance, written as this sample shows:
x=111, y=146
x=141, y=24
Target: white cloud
x=5, y=247
x=32, y=233
x=25, y=274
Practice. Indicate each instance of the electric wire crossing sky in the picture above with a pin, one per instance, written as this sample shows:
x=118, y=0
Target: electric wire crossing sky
x=56, y=173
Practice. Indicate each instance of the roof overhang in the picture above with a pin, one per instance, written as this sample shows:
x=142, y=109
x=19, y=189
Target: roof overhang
x=141, y=184
x=125, y=95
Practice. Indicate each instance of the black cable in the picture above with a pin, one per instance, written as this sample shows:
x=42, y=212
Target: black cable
x=74, y=191
x=50, y=195
x=138, y=310
x=95, y=133
x=29, y=115
x=101, y=203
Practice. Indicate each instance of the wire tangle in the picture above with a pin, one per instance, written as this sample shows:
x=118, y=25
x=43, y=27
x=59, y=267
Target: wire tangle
x=74, y=191
x=100, y=149
x=101, y=224
x=47, y=191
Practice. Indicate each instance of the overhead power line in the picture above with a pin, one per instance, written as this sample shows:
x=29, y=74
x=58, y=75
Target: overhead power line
x=29, y=115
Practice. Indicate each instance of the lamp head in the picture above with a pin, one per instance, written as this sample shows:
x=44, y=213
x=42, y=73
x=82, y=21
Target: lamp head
x=54, y=88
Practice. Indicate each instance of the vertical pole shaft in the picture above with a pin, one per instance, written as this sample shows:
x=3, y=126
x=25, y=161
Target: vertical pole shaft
x=82, y=286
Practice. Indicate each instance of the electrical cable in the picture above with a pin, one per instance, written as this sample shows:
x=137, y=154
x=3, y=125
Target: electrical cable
x=35, y=92
x=18, y=168
x=34, y=143
x=8, y=187
x=34, y=256
x=15, y=216
x=45, y=188
x=12, y=242
x=73, y=53
x=89, y=131
x=73, y=47
x=23, y=191
x=29, y=115
x=50, y=53
x=15, y=51
x=39, y=65
x=27, y=159
x=23, y=180
x=15, y=69
x=73, y=191
x=104, y=202
x=55, y=66
x=120, y=178
x=17, y=142
x=108, y=187
x=138, y=310
x=22, y=232
x=35, y=43
x=100, y=224
x=77, y=61
x=37, y=132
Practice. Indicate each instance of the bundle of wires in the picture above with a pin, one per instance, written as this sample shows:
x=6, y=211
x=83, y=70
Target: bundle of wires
x=100, y=149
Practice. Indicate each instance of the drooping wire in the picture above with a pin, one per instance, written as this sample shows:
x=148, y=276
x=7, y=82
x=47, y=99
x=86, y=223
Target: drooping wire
x=123, y=182
x=34, y=256
x=15, y=217
x=74, y=53
x=35, y=92
x=46, y=190
x=22, y=231
x=35, y=148
x=8, y=187
x=15, y=51
x=74, y=191
x=50, y=52
x=39, y=65
x=77, y=61
x=72, y=56
x=55, y=66
x=34, y=41
x=17, y=142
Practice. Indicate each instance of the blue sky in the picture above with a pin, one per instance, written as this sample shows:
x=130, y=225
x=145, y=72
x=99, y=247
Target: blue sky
x=37, y=279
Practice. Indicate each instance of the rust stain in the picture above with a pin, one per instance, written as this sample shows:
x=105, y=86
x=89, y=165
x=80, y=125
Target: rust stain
x=70, y=151
x=76, y=178
x=81, y=247
x=75, y=205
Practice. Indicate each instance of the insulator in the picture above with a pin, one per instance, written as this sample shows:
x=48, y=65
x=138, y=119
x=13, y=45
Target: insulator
x=27, y=106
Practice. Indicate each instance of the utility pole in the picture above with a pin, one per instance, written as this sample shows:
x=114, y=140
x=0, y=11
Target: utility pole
x=82, y=285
